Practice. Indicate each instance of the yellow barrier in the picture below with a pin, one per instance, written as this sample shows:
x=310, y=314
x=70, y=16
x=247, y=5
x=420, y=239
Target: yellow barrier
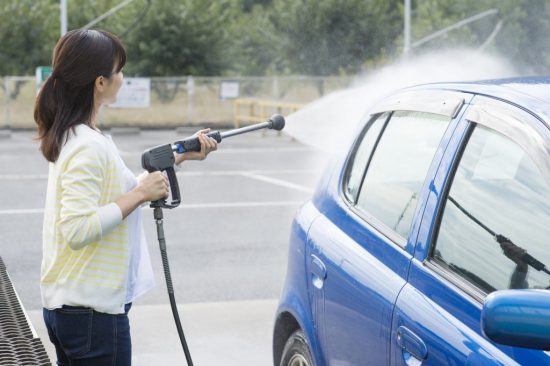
x=257, y=110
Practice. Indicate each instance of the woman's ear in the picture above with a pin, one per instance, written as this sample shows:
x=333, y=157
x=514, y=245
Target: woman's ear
x=100, y=83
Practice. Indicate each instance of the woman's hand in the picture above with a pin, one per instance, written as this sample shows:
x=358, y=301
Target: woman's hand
x=208, y=144
x=152, y=186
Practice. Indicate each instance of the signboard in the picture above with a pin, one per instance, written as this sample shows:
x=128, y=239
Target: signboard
x=42, y=73
x=229, y=90
x=134, y=93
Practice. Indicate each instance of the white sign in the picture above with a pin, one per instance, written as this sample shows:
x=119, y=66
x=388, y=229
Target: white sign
x=229, y=90
x=134, y=93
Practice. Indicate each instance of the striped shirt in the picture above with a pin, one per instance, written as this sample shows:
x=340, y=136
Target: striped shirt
x=86, y=244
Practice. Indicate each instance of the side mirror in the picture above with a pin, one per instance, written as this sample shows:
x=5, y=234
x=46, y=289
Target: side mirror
x=519, y=318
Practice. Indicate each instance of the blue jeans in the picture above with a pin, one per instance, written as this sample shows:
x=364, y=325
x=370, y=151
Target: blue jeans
x=85, y=337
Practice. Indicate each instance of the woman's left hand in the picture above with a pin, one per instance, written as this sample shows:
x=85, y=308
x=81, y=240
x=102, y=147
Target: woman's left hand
x=208, y=144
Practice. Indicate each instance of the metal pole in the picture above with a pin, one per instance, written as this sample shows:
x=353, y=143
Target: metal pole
x=107, y=14
x=458, y=25
x=275, y=88
x=190, y=91
x=63, y=15
x=8, y=101
x=407, y=28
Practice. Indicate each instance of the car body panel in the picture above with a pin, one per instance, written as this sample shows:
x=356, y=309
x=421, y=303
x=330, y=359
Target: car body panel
x=294, y=300
x=370, y=285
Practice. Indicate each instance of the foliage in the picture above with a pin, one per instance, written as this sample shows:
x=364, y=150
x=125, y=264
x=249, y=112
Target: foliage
x=522, y=39
x=27, y=33
x=273, y=37
x=254, y=45
x=332, y=37
x=180, y=38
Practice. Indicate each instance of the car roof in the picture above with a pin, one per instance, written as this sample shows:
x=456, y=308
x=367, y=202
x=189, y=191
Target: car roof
x=529, y=93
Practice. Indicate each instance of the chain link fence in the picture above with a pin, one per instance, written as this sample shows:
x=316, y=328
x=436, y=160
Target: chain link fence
x=175, y=101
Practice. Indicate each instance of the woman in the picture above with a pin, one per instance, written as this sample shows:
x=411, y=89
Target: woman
x=95, y=258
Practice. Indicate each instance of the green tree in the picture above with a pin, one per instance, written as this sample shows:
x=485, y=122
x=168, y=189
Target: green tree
x=522, y=39
x=185, y=37
x=122, y=22
x=331, y=37
x=27, y=35
x=254, y=44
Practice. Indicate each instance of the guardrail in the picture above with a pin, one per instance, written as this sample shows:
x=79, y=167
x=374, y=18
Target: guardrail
x=257, y=110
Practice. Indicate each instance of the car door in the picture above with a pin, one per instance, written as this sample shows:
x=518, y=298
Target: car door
x=488, y=205
x=359, y=249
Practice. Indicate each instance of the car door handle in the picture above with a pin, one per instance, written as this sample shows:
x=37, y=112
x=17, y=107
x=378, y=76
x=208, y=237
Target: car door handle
x=318, y=272
x=414, y=348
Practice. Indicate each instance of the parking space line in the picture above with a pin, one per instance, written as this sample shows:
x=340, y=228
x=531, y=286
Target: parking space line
x=275, y=149
x=23, y=176
x=278, y=182
x=22, y=211
x=244, y=172
x=216, y=205
x=183, y=174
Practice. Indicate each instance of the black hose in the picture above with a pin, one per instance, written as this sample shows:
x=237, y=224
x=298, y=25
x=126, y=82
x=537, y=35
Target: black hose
x=168, y=277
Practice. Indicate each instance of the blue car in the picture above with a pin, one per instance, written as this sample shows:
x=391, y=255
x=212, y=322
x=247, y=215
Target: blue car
x=441, y=204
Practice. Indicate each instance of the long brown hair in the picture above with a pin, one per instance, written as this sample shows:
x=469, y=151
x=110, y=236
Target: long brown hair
x=67, y=97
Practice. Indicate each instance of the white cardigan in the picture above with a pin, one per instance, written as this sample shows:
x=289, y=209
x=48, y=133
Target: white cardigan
x=86, y=244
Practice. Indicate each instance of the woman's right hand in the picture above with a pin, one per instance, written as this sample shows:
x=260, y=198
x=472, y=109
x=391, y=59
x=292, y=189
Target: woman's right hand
x=152, y=186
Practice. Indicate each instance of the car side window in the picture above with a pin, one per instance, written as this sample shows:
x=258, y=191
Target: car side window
x=399, y=166
x=362, y=155
x=495, y=224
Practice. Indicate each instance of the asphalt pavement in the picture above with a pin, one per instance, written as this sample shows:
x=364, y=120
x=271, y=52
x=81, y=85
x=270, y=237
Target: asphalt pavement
x=227, y=242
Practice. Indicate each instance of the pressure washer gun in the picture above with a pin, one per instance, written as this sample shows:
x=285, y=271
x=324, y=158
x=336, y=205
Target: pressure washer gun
x=161, y=158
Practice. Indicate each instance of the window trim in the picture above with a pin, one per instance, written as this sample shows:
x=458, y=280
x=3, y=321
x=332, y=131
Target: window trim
x=456, y=280
x=479, y=113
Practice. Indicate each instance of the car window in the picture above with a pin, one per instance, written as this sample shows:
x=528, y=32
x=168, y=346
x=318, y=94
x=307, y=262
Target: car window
x=362, y=155
x=496, y=221
x=398, y=167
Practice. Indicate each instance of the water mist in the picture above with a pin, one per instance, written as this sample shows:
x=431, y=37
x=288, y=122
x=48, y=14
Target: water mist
x=329, y=122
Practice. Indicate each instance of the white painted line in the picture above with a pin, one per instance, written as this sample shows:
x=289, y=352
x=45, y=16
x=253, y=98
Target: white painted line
x=264, y=149
x=243, y=172
x=22, y=211
x=238, y=204
x=237, y=150
x=23, y=176
x=279, y=182
x=184, y=206
x=180, y=173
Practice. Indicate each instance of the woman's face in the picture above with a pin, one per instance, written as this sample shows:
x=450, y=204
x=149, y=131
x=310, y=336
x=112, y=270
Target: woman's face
x=112, y=86
x=106, y=89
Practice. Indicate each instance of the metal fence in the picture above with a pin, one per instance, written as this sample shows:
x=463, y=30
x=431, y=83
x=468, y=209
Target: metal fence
x=175, y=101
